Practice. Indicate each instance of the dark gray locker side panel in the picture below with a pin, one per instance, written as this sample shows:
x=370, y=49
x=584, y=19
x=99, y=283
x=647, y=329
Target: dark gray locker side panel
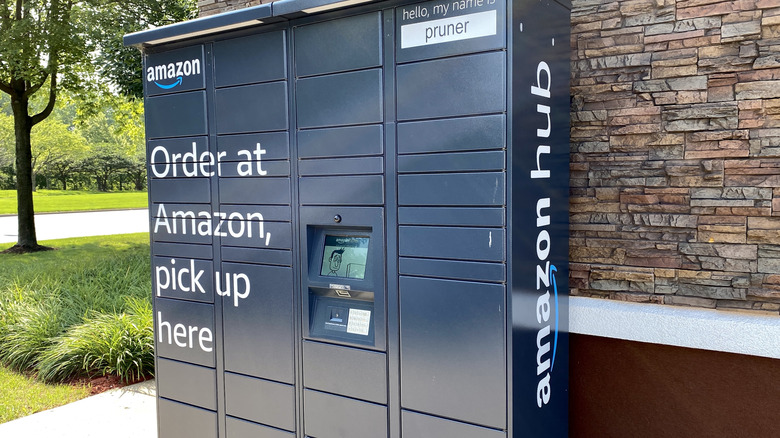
x=476, y=244
x=415, y=425
x=254, y=58
x=452, y=135
x=260, y=400
x=252, y=108
x=452, y=189
x=184, y=331
x=177, y=420
x=258, y=328
x=187, y=383
x=342, y=190
x=180, y=190
x=255, y=190
x=452, y=269
x=350, y=43
x=349, y=141
x=330, y=416
x=453, y=360
x=176, y=115
x=463, y=86
x=346, y=371
x=237, y=428
x=341, y=99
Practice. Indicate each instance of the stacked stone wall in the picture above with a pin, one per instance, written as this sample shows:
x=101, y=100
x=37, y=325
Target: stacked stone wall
x=675, y=152
x=211, y=7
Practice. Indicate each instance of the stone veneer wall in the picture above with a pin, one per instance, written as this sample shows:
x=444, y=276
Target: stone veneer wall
x=675, y=152
x=211, y=7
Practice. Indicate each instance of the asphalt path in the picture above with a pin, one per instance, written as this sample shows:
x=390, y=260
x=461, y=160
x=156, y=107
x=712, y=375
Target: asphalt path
x=50, y=226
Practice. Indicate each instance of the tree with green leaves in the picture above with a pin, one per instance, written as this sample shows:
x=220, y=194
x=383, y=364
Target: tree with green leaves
x=48, y=45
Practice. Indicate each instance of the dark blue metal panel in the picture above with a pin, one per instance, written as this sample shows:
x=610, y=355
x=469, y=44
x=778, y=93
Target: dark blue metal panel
x=328, y=415
x=345, y=371
x=177, y=420
x=446, y=28
x=245, y=169
x=188, y=190
x=182, y=250
x=176, y=150
x=458, y=86
x=275, y=213
x=451, y=162
x=256, y=255
x=476, y=244
x=479, y=217
x=237, y=428
x=176, y=115
x=453, y=357
x=341, y=166
x=184, y=331
x=254, y=190
x=175, y=71
x=452, y=135
x=452, y=189
x=250, y=59
x=187, y=383
x=183, y=279
x=260, y=400
x=342, y=190
x=182, y=230
x=350, y=141
x=416, y=425
x=540, y=229
x=244, y=147
x=258, y=320
x=252, y=108
x=275, y=235
x=453, y=269
x=341, y=99
x=350, y=43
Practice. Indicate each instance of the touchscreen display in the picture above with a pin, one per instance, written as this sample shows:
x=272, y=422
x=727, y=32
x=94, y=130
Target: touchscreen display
x=345, y=256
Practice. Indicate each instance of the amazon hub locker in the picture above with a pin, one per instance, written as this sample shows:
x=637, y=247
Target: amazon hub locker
x=359, y=219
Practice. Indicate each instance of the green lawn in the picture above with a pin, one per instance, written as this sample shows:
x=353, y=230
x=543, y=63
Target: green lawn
x=72, y=200
x=21, y=395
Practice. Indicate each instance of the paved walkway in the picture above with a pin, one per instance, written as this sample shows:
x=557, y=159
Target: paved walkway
x=88, y=223
x=128, y=412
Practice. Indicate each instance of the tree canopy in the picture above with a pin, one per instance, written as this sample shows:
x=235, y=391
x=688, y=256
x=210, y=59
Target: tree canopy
x=49, y=45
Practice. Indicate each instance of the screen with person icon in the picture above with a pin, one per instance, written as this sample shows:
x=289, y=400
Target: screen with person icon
x=345, y=256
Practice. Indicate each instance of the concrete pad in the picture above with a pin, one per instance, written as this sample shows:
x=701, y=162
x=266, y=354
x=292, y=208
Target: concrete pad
x=129, y=412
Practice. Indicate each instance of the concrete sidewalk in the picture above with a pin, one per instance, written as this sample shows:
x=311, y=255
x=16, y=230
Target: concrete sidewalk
x=129, y=412
x=50, y=226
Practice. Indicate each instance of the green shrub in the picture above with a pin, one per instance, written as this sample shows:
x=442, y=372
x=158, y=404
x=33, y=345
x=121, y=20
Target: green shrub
x=106, y=343
x=84, y=309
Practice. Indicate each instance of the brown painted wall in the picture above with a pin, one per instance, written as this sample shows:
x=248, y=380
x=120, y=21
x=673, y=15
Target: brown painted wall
x=627, y=389
x=675, y=152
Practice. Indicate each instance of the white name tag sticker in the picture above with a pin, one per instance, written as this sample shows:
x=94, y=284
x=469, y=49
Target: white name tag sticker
x=359, y=321
x=450, y=29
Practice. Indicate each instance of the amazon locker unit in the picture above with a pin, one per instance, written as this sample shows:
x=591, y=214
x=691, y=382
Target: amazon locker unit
x=359, y=219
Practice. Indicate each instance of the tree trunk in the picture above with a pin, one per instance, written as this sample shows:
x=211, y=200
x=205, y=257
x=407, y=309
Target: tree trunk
x=27, y=240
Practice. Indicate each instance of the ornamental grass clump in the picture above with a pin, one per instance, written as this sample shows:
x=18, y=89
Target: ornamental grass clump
x=82, y=310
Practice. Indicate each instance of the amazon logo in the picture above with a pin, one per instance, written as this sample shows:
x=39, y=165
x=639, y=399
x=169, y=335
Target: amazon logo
x=169, y=76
